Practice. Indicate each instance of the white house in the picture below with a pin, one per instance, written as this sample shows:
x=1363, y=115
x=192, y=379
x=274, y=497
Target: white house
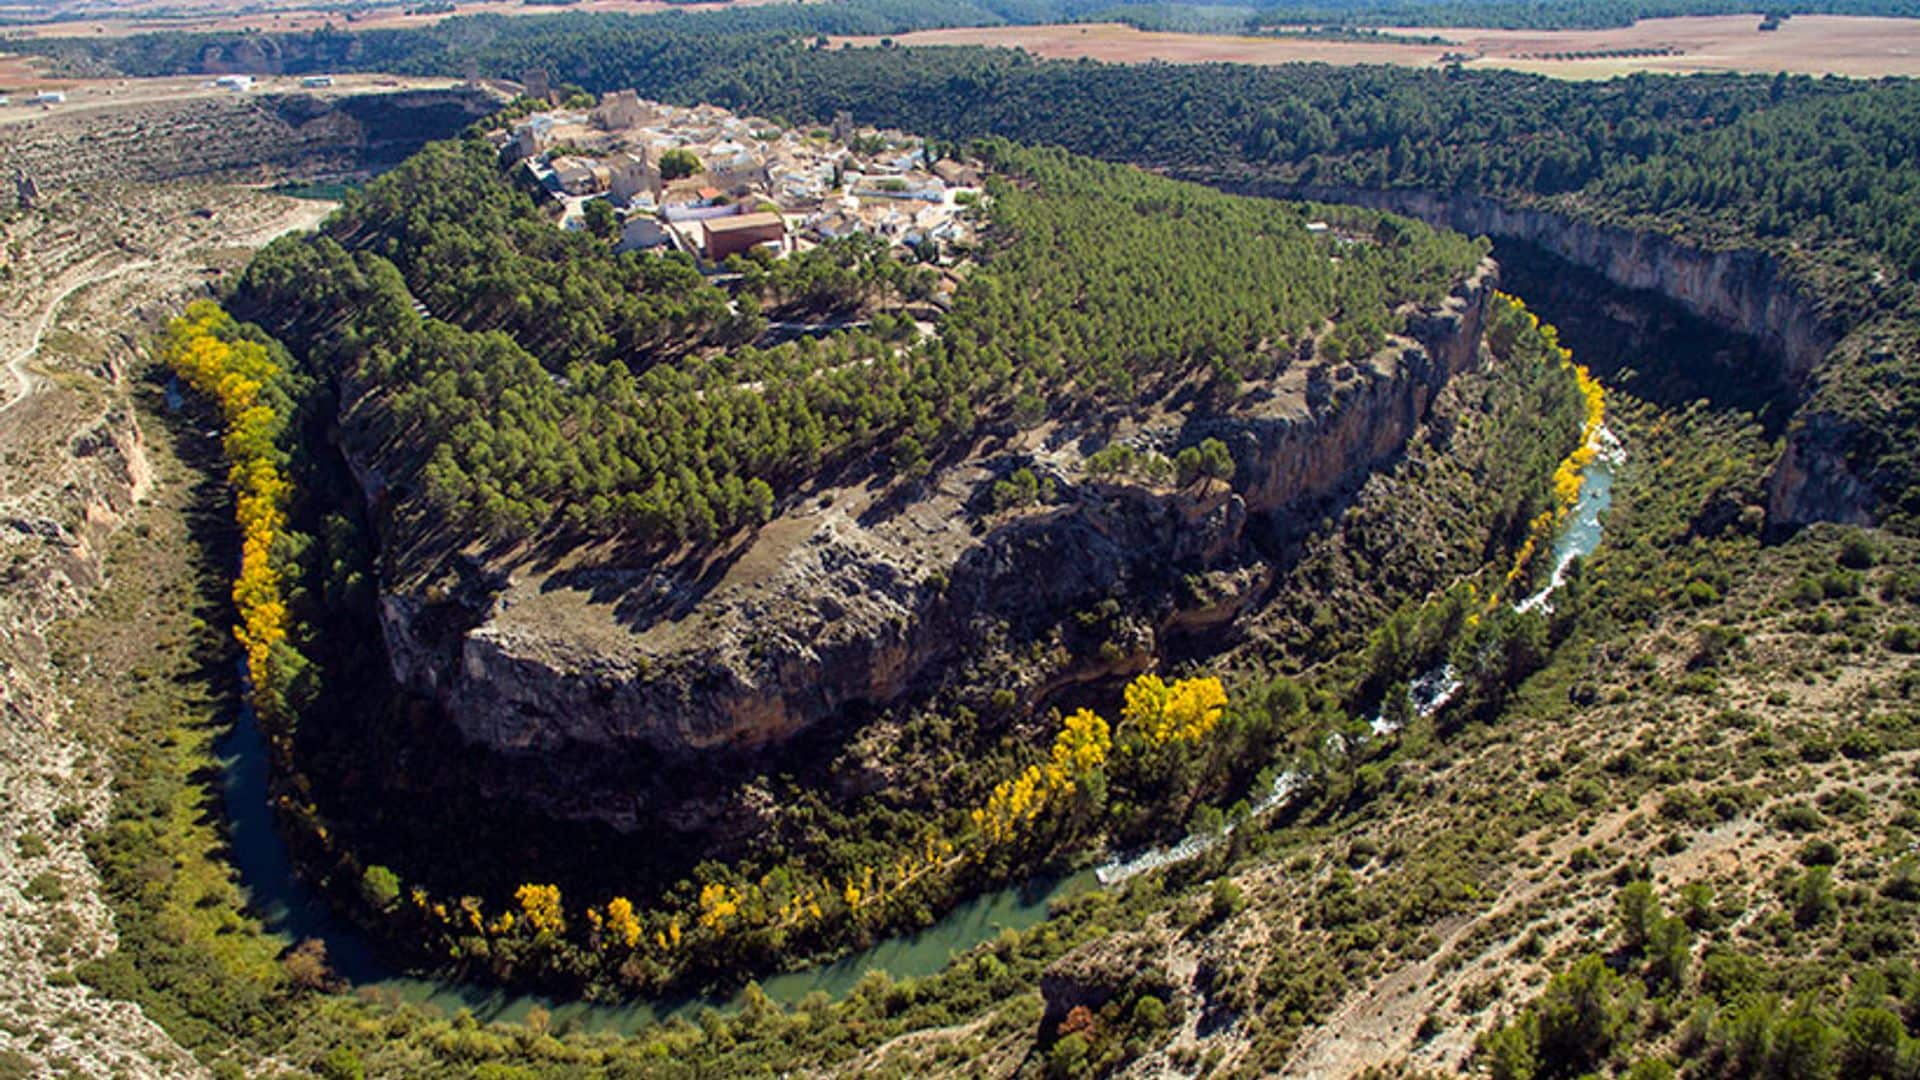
x=642, y=232
x=729, y=163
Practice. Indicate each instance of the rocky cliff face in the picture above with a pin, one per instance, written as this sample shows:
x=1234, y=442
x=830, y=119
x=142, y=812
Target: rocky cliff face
x=1739, y=290
x=1744, y=291
x=1813, y=482
x=283, y=135
x=860, y=596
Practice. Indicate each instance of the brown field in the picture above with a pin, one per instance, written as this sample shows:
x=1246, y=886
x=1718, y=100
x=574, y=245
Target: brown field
x=16, y=71
x=1805, y=44
x=299, y=15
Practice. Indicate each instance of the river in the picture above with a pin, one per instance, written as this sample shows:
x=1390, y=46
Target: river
x=289, y=908
x=1580, y=535
x=293, y=910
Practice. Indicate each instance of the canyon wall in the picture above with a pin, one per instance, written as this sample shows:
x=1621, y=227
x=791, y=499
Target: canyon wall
x=265, y=137
x=1740, y=290
x=846, y=600
x=1743, y=291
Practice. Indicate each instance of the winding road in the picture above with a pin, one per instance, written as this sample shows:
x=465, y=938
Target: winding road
x=20, y=338
x=25, y=382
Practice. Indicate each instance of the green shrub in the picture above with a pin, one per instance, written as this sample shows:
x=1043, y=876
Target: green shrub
x=1798, y=817
x=1813, y=897
x=380, y=887
x=1858, y=553
x=1819, y=852
x=1228, y=900
x=342, y=1063
x=45, y=888
x=1903, y=881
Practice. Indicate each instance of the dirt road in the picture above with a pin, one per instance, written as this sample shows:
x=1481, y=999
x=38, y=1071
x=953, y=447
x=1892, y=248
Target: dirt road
x=99, y=95
x=25, y=382
x=23, y=332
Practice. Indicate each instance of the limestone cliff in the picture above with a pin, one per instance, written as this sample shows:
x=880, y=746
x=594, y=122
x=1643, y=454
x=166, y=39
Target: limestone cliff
x=859, y=595
x=1745, y=291
x=268, y=135
x=1741, y=290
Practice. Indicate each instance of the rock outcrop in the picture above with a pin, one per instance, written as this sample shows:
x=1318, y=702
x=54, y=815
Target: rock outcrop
x=1812, y=480
x=270, y=135
x=859, y=596
x=1736, y=289
x=1745, y=291
x=1124, y=966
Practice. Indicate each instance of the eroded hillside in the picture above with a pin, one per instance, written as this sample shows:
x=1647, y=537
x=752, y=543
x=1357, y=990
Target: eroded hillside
x=91, y=277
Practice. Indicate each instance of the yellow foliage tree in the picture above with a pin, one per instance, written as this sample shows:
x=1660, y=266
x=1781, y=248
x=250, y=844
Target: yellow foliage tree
x=540, y=906
x=1570, y=474
x=1157, y=713
x=205, y=349
x=719, y=903
x=622, y=922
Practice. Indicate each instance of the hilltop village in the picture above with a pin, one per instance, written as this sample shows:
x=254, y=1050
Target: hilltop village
x=712, y=184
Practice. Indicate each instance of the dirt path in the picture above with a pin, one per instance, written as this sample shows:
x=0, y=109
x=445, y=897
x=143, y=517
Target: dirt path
x=21, y=338
x=25, y=382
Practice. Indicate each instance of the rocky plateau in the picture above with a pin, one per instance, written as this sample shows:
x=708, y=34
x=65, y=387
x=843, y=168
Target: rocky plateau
x=858, y=596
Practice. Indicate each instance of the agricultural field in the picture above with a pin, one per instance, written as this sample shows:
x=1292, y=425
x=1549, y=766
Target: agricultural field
x=1803, y=45
x=120, y=20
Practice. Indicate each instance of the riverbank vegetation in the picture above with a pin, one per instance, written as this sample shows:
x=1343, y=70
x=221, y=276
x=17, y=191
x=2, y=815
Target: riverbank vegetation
x=155, y=659
x=234, y=368
x=733, y=918
x=1506, y=328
